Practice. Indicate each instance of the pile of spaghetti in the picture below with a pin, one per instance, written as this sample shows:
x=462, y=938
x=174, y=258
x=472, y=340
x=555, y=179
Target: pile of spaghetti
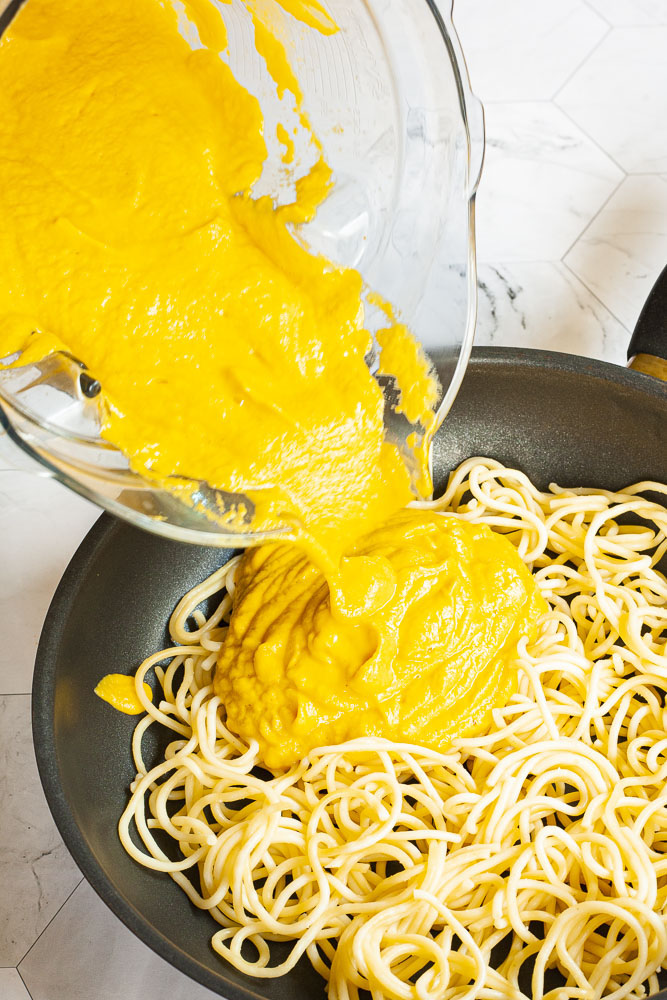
x=530, y=861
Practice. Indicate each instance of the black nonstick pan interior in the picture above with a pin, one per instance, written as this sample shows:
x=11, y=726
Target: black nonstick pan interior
x=556, y=417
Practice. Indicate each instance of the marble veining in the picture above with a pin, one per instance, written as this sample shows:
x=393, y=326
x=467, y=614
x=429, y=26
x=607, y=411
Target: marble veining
x=543, y=183
x=572, y=226
x=544, y=305
x=36, y=872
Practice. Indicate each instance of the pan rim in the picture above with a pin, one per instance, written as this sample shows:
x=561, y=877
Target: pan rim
x=578, y=364
x=46, y=754
x=44, y=676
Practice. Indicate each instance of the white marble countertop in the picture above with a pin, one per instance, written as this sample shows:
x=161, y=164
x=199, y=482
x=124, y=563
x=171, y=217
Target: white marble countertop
x=572, y=231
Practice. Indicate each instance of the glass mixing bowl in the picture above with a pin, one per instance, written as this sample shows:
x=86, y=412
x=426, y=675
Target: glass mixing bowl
x=389, y=98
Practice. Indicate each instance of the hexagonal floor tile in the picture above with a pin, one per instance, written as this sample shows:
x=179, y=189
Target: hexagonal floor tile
x=542, y=183
x=12, y=986
x=630, y=12
x=545, y=306
x=87, y=952
x=525, y=49
x=624, y=249
x=36, y=872
x=616, y=97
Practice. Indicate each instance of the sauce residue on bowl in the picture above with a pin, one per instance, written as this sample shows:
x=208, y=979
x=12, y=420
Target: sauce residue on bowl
x=226, y=351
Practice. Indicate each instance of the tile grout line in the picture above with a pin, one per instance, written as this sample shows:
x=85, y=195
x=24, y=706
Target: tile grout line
x=46, y=926
x=15, y=694
x=580, y=64
x=595, y=296
x=590, y=137
x=649, y=173
x=591, y=221
x=628, y=24
x=554, y=263
x=601, y=16
x=27, y=989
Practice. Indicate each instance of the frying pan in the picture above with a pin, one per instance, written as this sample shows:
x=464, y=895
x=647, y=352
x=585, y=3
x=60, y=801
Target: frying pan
x=556, y=417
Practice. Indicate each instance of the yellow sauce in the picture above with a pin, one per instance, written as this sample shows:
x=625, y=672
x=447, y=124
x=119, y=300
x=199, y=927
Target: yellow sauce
x=429, y=663
x=228, y=353
x=130, y=239
x=121, y=693
x=287, y=141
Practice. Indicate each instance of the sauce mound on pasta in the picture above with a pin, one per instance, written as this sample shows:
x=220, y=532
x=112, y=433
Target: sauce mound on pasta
x=429, y=659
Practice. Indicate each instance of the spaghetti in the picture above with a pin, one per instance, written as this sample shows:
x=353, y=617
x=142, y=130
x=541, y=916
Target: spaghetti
x=531, y=860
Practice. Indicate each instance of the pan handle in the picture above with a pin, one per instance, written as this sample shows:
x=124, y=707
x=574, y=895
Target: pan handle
x=647, y=351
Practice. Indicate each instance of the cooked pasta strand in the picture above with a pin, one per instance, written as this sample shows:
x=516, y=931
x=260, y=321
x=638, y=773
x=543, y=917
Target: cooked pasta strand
x=398, y=869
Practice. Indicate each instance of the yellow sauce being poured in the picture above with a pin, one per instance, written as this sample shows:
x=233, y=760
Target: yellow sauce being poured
x=228, y=353
x=130, y=239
